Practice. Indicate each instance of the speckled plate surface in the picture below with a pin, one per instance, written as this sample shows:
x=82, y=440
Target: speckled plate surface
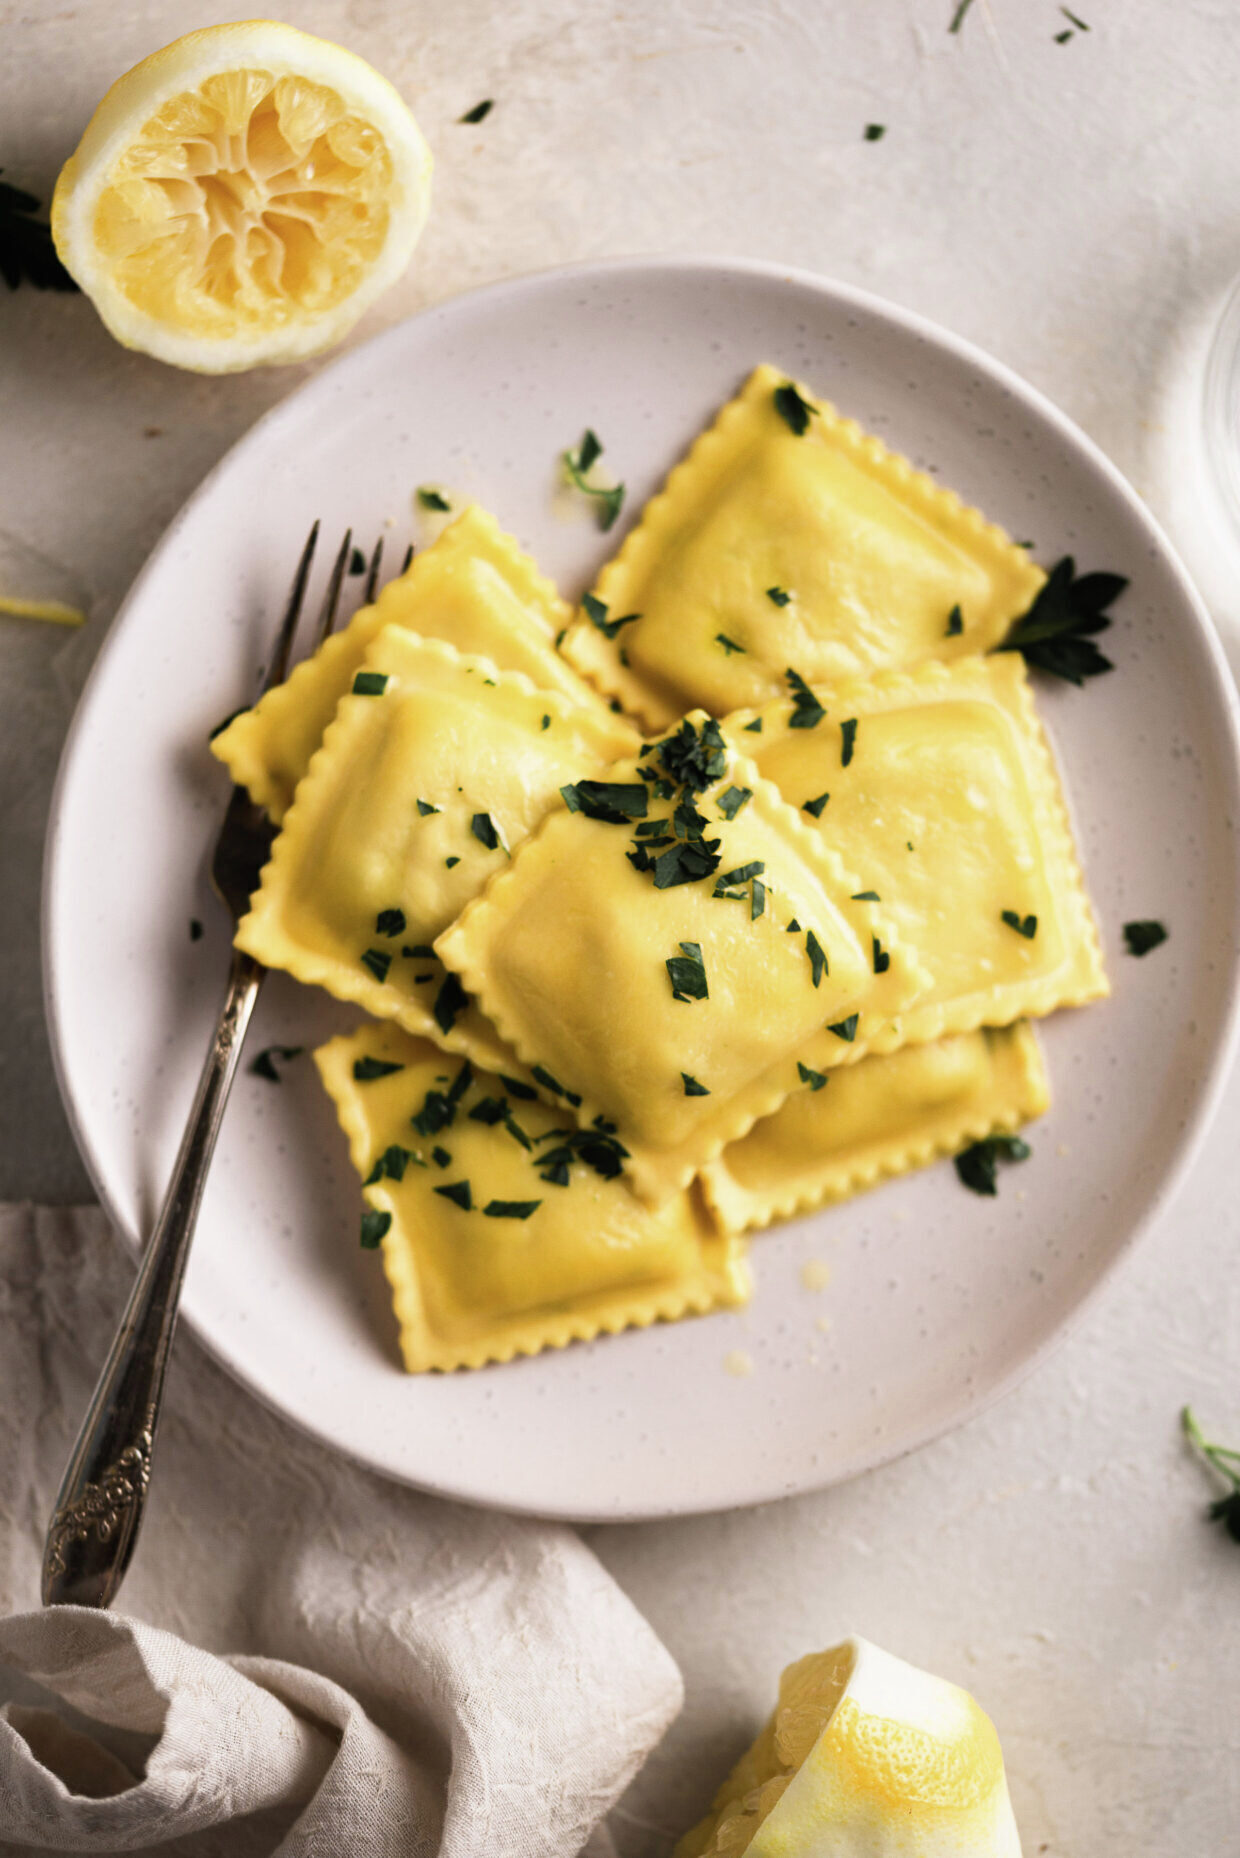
x=936, y=1300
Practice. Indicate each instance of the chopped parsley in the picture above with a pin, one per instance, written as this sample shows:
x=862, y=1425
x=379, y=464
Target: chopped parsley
x=976, y=1166
x=578, y=463
x=755, y=727
x=431, y=499
x=792, y=927
x=692, y=1087
x=732, y=885
x=1143, y=936
x=845, y=1029
x=542, y=1076
x=729, y=645
x=779, y=596
x=597, y=1147
x=879, y=955
x=958, y=15
x=370, y=683
x=451, y=863
x=865, y=896
x=510, y=1209
x=687, y=973
x=479, y=111
x=817, y=959
x=27, y=254
x=1073, y=20
x=614, y=802
x=815, y=1079
x=516, y=1088
x=458, y=1192
x=757, y=899
x=694, y=758
x=848, y=740
x=493, y=1110
x=449, y=1001
x=195, y=929
x=374, y=1225
x=1226, y=1462
x=366, y=1070
x=795, y=411
x=1023, y=925
x=807, y=712
x=425, y=808
x=546, y=722
x=815, y=806
x=439, y=1107
x=596, y=613
x=419, y=951
x=874, y=132
x=731, y=802
x=390, y=922
x=264, y=1064
x=442, y=1157
x=392, y=1163
x=1056, y=634
x=483, y=828
x=955, y=623
x=378, y=961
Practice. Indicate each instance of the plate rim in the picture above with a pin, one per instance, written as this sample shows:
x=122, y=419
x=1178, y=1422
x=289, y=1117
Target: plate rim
x=1212, y=1080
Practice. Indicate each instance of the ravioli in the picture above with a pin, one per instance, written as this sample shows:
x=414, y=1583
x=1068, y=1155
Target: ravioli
x=950, y=810
x=420, y=791
x=882, y=1117
x=473, y=588
x=769, y=547
x=486, y=1256
x=668, y=943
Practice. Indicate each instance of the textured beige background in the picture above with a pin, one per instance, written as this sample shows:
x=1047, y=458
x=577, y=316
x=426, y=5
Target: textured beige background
x=1072, y=208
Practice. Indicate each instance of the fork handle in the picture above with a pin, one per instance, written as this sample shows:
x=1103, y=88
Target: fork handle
x=102, y=1497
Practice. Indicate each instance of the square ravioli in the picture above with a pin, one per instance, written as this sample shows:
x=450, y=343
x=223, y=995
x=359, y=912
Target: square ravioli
x=473, y=588
x=667, y=945
x=950, y=811
x=434, y=769
x=505, y=1230
x=876, y=1119
x=789, y=536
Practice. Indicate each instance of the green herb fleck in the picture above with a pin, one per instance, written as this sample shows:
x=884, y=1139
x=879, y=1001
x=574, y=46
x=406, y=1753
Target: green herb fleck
x=817, y=959
x=694, y=758
x=391, y=1164
x=374, y=1225
x=779, y=596
x=458, y=1192
x=598, y=1147
x=845, y=1029
x=795, y=411
x=378, y=961
x=874, y=132
x=1056, y=634
x=390, y=922
x=425, y=808
x=807, y=712
x=1226, y=1463
x=815, y=806
x=264, y=1064
x=449, y=1001
x=731, y=802
x=958, y=15
x=479, y=111
x=439, y=1107
x=483, y=828
x=546, y=722
x=1061, y=38
x=511, y=1209
x=692, y=1087
x=976, y=1166
x=451, y=863
x=596, y=613
x=687, y=972
x=27, y=254
x=866, y=896
x=419, y=951
x=432, y=499
x=542, y=1076
x=757, y=900
x=1143, y=936
x=370, y=683
x=729, y=645
x=577, y=463
x=614, y=802
x=1073, y=20
x=955, y=623
x=755, y=727
x=792, y=927
x=815, y=1079
x=1023, y=925
x=848, y=734
x=879, y=956
x=366, y=1070
x=732, y=883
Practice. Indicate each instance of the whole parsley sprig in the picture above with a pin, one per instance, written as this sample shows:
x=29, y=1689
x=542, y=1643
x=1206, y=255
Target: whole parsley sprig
x=1056, y=634
x=1225, y=1463
x=27, y=254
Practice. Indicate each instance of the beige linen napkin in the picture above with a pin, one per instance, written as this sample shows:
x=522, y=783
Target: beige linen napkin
x=310, y=1661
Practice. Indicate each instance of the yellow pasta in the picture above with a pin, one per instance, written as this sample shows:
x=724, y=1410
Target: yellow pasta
x=473, y=588
x=876, y=1119
x=508, y=1262
x=419, y=793
x=677, y=1009
x=950, y=810
x=769, y=548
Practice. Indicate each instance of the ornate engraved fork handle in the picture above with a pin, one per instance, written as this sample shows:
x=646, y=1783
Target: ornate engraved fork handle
x=102, y=1498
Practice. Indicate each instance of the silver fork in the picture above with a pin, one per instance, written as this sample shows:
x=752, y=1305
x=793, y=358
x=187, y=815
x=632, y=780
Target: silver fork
x=102, y=1496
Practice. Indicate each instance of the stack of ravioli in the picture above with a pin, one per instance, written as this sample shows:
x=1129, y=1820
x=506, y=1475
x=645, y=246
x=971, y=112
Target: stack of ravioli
x=723, y=898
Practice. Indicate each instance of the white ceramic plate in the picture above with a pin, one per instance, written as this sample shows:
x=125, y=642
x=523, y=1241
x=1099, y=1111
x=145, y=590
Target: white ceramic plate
x=937, y=1299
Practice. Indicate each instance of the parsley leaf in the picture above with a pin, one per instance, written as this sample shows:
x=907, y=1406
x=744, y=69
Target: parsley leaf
x=687, y=973
x=695, y=758
x=374, y=1225
x=596, y=613
x=779, y=596
x=865, y=896
x=755, y=727
x=378, y=961
x=817, y=959
x=683, y=863
x=27, y=254
x=815, y=806
x=479, y=111
x=597, y=1147
x=483, y=828
x=370, y=683
x=542, y=1076
x=264, y=1064
x=757, y=899
x=795, y=411
x=845, y=1029
x=731, y=802
x=1023, y=925
x=976, y=1166
x=848, y=734
x=458, y=1192
x=392, y=1164
x=426, y=809
x=439, y=1107
x=692, y=1087
x=807, y=712
x=1143, y=936
x=614, y=802
x=577, y=463
x=1055, y=635
x=390, y=922
x=729, y=645
x=510, y=1209
x=958, y=15
x=955, y=623
x=815, y=1079
x=516, y=1088
x=366, y=1070
x=420, y=951
x=881, y=959
x=874, y=132
x=449, y=1002
x=432, y=499
x=1226, y=1462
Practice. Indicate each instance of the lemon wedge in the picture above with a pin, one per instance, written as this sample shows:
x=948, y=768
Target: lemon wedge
x=864, y=1757
x=241, y=197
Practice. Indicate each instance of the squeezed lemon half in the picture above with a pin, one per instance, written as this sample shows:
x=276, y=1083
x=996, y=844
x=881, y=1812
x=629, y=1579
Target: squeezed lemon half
x=241, y=197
